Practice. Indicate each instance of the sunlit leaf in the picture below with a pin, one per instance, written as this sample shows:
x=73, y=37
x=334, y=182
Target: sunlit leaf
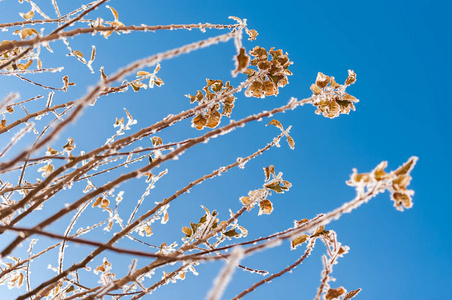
x=315, y=89
x=213, y=119
x=350, y=98
x=351, y=294
x=351, y=77
x=156, y=141
x=187, y=231
x=199, y=122
x=142, y=73
x=242, y=60
x=290, y=141
x=78, y=53
x=28, y=16
x=114, y=12
x=97, y=202
x=322, y=80
x=298, y=241
x=406, y=167
x=265, y=207
x=334, y=293
x=232, y=233
x=148, y=230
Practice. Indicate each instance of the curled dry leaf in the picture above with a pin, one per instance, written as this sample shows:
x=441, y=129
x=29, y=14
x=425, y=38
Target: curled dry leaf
x=276, y=123
x=298, y=241
x=78, y=53
x=265, y=207
x=156, y=141
x=351, y=294
x=334, y=293
x=242, y=60
x=28, y=16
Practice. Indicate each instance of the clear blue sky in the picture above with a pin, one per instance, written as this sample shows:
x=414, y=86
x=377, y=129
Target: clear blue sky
x=400, y=51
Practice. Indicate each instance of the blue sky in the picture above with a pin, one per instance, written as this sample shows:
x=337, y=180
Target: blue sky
x=400, y=53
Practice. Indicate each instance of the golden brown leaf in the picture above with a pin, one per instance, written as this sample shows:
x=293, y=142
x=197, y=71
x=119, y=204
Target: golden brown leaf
x=242, y=60
x=213, y=119
x=156, y=141
x=93, y=53
x=199, y=121
x=406, y=167
x=165, y=218
x=51, y=151
x=298, y=241
x=269, y=88
x=334, y=293
x=28, y=16
x=351, y=294
x=97, y=202
x=114, y=12
x=322, y=80
x=103, y=76
x=252, y=34
x=276, y=123
x=187, y=231
x=315, y=89
x=148, y=230
x=290, y=141
x=350, y=98
x=351, y=78
x=245, y=200
x=142, y=73
x=78, y=53
x=105, y=203
x=265, y=207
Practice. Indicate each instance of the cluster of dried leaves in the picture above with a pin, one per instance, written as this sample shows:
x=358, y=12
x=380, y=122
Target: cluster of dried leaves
x=62, y=168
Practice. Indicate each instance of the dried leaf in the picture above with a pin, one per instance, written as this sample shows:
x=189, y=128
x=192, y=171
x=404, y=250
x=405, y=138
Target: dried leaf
x=28, y=16
x=142, y=73
x=148, y=230
x=245, y=200
x=46, y=170
x=322, y=80
x=242, y=60
x=252, y=34
x=187, y=231
x=265, y=207
x=97, y=202
x=334, y=293
x=350, y=98
x=406, y=167
x=290, y=141
x=351, y=78
x=302, y=221
x=165, y=218
x=199, y=121
x=51, y=151
x=351, y=294
x=156, y=141
x=232, y=233
x=105, y=203
x=298, y=241
x=114, y=12
x=276, y=123
x=93, y=53
x=213, y=119
x=315, y=89
x=78, y=53
x=274, y=186
x=103, y=76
